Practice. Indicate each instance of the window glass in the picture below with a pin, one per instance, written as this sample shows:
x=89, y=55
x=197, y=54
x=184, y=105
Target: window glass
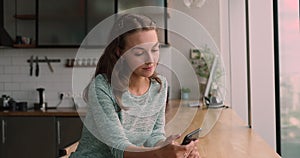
x=289, y=56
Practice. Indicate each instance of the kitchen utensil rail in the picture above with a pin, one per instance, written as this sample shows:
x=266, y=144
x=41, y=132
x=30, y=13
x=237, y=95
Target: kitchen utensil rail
x=45, y=61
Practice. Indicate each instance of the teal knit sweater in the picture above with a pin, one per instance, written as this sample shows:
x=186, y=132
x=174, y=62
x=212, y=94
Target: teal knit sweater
x=108, y=130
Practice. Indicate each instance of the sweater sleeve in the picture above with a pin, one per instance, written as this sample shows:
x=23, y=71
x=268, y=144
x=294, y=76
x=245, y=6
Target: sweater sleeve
x=158, y=133
x=103, y=120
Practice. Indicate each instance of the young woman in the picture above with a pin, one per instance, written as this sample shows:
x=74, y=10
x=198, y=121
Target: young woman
x=126, y=99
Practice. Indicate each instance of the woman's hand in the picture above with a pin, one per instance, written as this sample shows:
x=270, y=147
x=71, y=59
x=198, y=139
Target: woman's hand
x=172, y=149
x=194, y=153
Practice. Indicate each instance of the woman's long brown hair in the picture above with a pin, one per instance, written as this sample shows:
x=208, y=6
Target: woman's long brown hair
x=125, y=25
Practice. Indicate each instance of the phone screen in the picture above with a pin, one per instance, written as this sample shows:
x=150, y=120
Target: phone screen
x=191, y=136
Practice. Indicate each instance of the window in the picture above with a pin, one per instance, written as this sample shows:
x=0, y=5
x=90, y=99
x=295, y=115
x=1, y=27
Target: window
x=289, y=77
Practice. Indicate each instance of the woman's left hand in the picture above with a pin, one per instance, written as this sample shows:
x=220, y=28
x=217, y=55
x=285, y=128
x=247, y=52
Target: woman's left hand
x=194, y=153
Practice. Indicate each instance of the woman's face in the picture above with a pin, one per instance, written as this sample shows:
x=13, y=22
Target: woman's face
x=142, y=52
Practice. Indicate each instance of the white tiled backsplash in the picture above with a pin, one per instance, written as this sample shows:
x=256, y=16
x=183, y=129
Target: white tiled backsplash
x=16, y=82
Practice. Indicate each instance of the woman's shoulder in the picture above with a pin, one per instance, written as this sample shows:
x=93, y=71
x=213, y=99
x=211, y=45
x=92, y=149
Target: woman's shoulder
x=162, y=78
x=101, y=78
x=101, y=82
x=100, y=86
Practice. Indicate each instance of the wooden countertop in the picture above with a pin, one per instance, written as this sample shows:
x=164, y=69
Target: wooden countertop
x=229, y=137
x=65, y=112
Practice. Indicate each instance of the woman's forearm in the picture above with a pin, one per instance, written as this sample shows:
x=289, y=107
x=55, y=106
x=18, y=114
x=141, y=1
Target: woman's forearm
x=163, y=148
x=138, y=152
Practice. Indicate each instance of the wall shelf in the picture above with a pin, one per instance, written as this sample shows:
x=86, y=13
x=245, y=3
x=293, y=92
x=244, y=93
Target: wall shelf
x=24, y=45
x=25, y=16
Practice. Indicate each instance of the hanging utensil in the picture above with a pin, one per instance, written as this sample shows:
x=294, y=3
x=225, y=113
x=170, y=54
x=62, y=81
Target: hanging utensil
x=49, y=64
x=37, y=69
x=31, y=65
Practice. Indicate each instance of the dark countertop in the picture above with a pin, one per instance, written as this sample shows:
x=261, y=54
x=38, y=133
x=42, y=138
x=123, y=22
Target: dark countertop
x=69, y=112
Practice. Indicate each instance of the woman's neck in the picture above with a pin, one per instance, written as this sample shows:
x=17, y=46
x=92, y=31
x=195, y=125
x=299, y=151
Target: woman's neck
x=138, y=85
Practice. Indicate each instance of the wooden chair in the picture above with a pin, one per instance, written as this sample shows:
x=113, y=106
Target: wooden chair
x=66, y=152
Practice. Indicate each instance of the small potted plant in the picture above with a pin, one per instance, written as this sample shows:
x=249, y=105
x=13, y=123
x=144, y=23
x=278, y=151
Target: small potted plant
x=185, y=93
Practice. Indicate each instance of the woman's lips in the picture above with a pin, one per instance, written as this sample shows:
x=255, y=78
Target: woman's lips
x=148, y=68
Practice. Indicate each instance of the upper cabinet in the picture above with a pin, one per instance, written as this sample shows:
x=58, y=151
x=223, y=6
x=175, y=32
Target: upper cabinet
x=61, y=22
x=19, y=21
x=66, y=23
x=158, y=14
x=98, y=10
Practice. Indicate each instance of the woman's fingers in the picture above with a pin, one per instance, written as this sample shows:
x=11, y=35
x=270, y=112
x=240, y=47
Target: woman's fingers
x=170, y=140
x=171, y=147
x=194, y=153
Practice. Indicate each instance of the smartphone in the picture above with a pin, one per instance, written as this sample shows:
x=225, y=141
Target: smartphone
x=191, y=136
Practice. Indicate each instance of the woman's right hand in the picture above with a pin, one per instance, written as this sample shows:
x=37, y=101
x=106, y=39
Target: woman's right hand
x=172, y=149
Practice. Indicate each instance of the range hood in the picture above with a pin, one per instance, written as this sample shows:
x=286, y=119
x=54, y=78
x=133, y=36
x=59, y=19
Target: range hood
x=5, y=39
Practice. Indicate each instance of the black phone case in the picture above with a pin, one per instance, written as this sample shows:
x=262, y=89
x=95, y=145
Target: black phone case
x=189, y=137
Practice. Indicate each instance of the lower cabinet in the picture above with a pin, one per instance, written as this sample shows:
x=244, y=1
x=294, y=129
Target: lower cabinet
x=1, y=136
x=68, y=131
x=36, y=137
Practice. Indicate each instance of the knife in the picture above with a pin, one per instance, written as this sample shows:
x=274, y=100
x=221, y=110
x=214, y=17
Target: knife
x=31, y=65
x=49, y=64
x=37, y=69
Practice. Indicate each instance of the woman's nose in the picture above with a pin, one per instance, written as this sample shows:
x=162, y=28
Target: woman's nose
x=150, y=58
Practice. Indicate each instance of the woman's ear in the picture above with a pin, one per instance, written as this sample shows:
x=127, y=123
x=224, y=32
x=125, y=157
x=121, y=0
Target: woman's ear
x=118, y=52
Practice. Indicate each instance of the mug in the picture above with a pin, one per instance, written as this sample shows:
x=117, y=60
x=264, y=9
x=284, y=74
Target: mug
x=19, y=40
x=26, y=40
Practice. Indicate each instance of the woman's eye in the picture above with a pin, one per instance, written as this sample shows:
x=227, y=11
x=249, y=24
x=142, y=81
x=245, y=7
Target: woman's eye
x=154, y=50
x=138, y=53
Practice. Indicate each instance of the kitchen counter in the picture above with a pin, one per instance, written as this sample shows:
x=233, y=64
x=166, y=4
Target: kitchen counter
x=229, y=136
x=68, y=112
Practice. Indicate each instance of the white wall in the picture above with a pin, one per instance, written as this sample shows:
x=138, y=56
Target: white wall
x=261, y=63
x=210, y=17
x=262, y=69
x=225, y=49
x=238, y=57
x=16, y=82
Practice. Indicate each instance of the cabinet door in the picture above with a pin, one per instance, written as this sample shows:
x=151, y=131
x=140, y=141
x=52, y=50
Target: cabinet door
x=9, y=22
x=32, y=137
x=25, y=26
x=61, y=22
x=2, y=138
x=97, y=11
x=158, y=15
x=68, y=131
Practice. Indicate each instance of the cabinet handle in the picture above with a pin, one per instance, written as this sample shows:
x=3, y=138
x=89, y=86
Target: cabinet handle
x=58, y=132
x=3, y=132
